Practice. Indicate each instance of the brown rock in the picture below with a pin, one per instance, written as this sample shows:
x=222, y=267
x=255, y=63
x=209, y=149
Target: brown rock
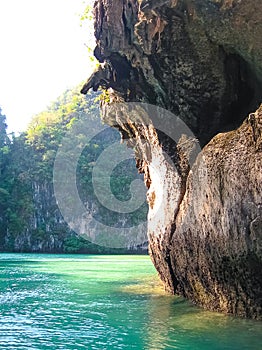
x=202, y=61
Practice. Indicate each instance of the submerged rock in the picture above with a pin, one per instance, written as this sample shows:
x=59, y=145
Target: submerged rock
x=202, y=61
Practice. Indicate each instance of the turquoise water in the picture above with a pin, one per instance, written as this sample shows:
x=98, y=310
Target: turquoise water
x=105, y=302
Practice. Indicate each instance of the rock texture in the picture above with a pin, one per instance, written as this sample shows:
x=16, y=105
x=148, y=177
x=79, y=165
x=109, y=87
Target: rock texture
x=45, y=229
x=202, y=61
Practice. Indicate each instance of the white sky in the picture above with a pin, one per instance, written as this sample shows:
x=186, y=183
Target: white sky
x=42, y=52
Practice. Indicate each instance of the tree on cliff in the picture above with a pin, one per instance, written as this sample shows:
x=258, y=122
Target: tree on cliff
x=4, y=150
x=4, y=140
x=30, y=217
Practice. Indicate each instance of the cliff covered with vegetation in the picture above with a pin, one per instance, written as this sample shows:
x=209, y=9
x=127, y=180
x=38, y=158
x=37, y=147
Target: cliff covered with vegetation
x=201, y=60
x=30, y=217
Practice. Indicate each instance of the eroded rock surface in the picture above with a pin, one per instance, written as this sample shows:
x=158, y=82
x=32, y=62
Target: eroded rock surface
x=202, y=61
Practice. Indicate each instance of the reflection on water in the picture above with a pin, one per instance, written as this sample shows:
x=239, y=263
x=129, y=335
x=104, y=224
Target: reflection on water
x=175, y=323
x=105, y=302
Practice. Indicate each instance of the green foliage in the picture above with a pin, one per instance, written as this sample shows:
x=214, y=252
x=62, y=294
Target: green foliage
x=27, y=202
x=87, y=14
x=77, y=244
x=4, y=141
x=15, y=181
x=4, y=193
x=3, y=126
x=87, y=21
x=48, y=128
x=104, y=96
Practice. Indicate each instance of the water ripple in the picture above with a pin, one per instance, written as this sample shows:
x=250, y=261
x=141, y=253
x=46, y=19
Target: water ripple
x=89, y=302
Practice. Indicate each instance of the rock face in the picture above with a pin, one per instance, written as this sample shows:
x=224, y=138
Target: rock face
x=202, y=61
x=45, y=230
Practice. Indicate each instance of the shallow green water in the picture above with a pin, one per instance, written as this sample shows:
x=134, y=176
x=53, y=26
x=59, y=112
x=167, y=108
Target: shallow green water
x=105, y=302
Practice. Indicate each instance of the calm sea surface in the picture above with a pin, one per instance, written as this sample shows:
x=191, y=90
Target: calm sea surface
x=105, y=302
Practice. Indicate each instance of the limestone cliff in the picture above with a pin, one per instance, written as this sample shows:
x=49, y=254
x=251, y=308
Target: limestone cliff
x=202, y=61
x=35, y=184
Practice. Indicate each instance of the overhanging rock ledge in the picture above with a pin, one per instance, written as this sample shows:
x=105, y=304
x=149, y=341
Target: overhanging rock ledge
x=202, y=61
